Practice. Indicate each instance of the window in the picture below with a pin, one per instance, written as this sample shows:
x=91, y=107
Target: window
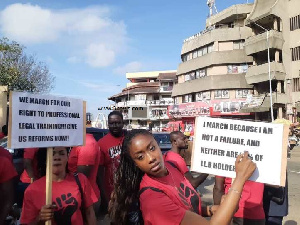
x=195, y=54
x=238, y=44
x=187, y=77
x=140, y=97
x=221, y=94
x=296, y=84
x=176, y=100
x=295, y=53
x=184, y=58
x=295, y=23
x=200, y=52
x=192, y=76
x=204, y=50
x=237, y=69
x=188, y=98
x=242, y=93
x=205, y=95
x=210, y=48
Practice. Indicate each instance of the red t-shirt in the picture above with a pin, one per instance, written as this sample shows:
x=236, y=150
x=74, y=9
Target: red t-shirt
x=2, y=135
x=30, y=153
x=88, y=155
x=178, y=160
x=5, y=153
x=168, y=206
x=251, y=202
x=110, y=148
x=65, y=195
x=7, y=169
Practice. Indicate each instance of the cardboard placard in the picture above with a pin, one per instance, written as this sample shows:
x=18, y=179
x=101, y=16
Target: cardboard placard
x=45, y=121
x=217, y=142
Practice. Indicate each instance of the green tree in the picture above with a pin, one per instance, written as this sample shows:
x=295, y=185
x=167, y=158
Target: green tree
x=21, y=72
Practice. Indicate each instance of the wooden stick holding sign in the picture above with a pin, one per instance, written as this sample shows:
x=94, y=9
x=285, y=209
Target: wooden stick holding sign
x=46, y=121
x=49, y=179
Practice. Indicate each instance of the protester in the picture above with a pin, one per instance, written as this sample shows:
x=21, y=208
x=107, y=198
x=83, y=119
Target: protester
x=29, y=174
x=250, y=210
x=72, y=196
x=110, y=147
x=276, y=203
x=180, y=143
x=85, y=159
x=7, y=175
x=165, y=195
x=4, y=132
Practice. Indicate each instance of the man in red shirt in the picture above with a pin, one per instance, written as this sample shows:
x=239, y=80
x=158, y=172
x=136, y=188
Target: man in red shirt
x=86, y=159
x=30, y=172
x=180, y=143
x=251, y=211
x=7, y=175
x=110, y=148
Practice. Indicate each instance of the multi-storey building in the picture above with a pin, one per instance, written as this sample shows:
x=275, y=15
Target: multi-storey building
x=145, y=100
x=275, y=28
x=211, y=76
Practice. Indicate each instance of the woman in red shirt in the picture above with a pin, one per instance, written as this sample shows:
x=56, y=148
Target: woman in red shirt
x=165, y=196
x=69, y=202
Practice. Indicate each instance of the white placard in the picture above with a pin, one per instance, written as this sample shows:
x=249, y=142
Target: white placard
x=38, y=120
x=217, y=143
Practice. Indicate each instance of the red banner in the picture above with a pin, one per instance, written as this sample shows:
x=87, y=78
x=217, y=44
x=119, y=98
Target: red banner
x=220, y=107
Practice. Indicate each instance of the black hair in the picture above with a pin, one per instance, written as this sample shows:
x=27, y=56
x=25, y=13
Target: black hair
x=4, y=130
x=174, y=134
x=127, y=183
x=42, y=161
x=115, y=113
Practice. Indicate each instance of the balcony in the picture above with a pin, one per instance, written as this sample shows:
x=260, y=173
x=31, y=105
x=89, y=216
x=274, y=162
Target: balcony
x=161, y=102
x=214, y=58
x=258, y=43
x=230, y=14
x=166, y=89
x=217, y=34
x=226, y=81
x=257, y=74
x=262, y=103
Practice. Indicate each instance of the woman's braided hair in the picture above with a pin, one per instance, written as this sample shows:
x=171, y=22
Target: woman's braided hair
x=127, y=183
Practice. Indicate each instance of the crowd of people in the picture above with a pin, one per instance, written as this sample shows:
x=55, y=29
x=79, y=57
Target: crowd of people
x=125, y=177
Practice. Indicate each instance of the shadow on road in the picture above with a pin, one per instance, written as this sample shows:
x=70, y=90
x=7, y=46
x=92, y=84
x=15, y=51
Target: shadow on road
x=290, y=222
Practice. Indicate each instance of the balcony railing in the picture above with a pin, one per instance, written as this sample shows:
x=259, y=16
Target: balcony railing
x=166, y=89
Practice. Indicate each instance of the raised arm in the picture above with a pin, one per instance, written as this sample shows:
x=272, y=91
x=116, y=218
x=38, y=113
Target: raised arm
x=244, y=169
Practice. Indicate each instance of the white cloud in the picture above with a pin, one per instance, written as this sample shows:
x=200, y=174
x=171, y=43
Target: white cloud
x=97, y=55
x=88, y=33
x=128, y=68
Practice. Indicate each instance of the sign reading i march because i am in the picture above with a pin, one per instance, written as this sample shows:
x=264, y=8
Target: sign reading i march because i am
x=45, y=121
x=217, y=143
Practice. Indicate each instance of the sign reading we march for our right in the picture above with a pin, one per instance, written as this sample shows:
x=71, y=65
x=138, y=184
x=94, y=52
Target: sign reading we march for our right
x=38, y=120
x=217, y=143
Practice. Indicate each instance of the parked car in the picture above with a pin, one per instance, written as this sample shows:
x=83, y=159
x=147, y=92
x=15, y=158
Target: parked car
x=163, y=140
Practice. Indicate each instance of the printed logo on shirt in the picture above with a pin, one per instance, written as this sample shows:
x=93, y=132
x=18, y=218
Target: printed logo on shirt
x=189, y=197
x=114, y=151
x=67, y=206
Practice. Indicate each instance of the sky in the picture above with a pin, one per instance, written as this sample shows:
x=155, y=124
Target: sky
x=89, y=45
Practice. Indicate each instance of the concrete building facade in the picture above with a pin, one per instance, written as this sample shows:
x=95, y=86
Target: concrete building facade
x=211, y=76
x=144, y=101
x=275, y=27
